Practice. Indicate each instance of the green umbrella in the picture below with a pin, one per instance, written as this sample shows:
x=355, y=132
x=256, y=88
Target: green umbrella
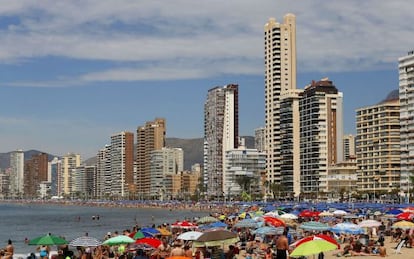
x=48, y=240
x=313, y=247
x=139, y=235
x=118, y=240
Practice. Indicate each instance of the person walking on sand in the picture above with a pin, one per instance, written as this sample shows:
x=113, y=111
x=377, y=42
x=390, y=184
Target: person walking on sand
x=282, y=246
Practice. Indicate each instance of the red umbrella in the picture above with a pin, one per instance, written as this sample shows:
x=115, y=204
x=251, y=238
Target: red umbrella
x=308, y=214
x=149, y=241
x=316, y=237
x=405, y=216
x=274, y=221
x=183, y=224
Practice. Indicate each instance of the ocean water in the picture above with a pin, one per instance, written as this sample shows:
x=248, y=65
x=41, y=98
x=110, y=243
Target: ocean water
x=20, y=221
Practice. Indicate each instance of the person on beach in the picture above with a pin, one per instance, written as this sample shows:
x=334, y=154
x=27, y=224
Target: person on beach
x=43, y=252
x=8, y=250
x=282, y=246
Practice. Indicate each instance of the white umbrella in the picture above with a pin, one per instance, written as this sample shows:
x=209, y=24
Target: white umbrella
x=288, y=216
x=369, y=223
x=85, y=241
x=190, y=235
x=339, y=212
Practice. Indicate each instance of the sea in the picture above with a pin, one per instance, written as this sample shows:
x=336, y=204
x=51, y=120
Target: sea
x=25, y=221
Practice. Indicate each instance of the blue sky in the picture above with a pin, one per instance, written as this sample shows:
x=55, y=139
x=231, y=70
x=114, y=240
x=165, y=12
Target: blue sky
x=75, y=72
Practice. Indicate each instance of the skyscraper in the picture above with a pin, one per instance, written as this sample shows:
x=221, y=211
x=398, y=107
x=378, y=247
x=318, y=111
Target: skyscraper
x=69, y=163
x=221, y=133
x=122, y=164
x=321, y=133
x=406, y=94
x=378, y=147
x=280, y=76
x=36, y=172
x=349, y=147
x=150, y=137
x=103, y=172
x=16, y=173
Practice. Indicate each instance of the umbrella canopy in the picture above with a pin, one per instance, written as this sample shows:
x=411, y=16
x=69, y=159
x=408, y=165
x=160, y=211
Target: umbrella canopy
x=246, y=223
x=150, y=231
x=394, y=212
x=274, y=221
x=267, y=230
x=316, y=237
x=313, y=247
x=139, y=234
x=184, y=224
x=288, y=216
x=216, y=238
x=325, y=214
x=403, y=224
x=118, y=240
x=314, y=225
x=308, y=214
x=347, y=228
x=405, y=216
x=153, y=242
x=164, y=232
x=339, y=213
x=369, y=223
x=190, y=235
x=85, y=241
x=206, y=220
x=48, y=240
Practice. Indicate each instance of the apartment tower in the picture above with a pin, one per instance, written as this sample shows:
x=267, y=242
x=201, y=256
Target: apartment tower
x=321, y=134
x=221, y=133
x=16, y=173
x=406, y=94
x=378, y=147
x=150, y=137
x=69, y=163
x=36, y=172
x=280, y=77
x=122, y=164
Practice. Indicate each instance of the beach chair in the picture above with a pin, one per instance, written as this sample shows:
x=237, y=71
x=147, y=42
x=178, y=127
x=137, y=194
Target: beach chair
x=399, y=246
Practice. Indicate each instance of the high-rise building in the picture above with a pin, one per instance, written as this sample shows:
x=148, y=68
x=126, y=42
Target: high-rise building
x=122, y=164
x=290, y=143
x=378, y=147
x=55, y=172
x=166, y=161
x=69, y=163
x=349, y=147
x=406, y=94
x=103, y=173
x=36, y=172
x=321, y=133
x=280, y=76
x=259, y=139
x=150, y=137
x=221, y=133
x=16, y=173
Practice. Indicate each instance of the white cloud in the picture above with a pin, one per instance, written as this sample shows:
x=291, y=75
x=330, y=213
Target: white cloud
x=146, y=38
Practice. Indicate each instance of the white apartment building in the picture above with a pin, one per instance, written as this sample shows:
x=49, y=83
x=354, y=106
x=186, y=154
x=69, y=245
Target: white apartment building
x=280, y=76
x=69, y=163
x=406, y=94
x=16, y=173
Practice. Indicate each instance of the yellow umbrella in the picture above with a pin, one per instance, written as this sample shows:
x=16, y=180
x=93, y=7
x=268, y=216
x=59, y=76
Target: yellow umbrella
x=403, y=224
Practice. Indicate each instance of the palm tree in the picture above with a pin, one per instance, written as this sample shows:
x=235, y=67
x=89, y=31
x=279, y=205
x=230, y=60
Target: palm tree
x=244, y=181
x=276, y=188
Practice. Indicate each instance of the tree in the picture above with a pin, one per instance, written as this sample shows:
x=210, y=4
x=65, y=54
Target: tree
x=244, y=181
x=276, y=189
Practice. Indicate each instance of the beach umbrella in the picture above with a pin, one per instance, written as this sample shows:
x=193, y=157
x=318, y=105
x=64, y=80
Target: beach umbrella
x=404, y=224
x=267, y=230
x=274, y=221
x=369, y=223
x=190, y=235
x=340, y=213
x=405, y=216
x=164, y=232
x=347, y=228
x=118, y=240
x=394, y=212
x=153, y=242
x=326, y=214
x=216, y=238
x=48, y=240
x=150, y=231
x=408, y=209
x=314, y=225
x=308, y=214
x=246, y=223
x=184, y=224
x=288, y=216
x=206, y=219
x=85, y=241
x=316, y=237
x=313, y=247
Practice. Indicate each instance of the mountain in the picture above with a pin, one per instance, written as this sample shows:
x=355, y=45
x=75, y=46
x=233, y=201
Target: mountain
x=5, y=157
x=193, y=151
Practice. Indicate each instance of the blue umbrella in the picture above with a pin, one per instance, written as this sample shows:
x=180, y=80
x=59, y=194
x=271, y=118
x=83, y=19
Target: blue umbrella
x=394, y=212
x=246, y=223
x=151, y=231
x=267, y=230
x=314, y=225
x=347, y=228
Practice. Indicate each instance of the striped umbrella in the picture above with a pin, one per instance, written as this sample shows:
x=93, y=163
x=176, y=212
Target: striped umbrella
x=85, y=241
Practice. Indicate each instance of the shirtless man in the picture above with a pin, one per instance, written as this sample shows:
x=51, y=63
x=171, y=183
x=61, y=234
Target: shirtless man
x=9, y=250
x=282, y=246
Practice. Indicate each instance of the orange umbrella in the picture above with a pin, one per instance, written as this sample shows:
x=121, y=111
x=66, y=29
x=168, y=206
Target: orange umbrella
x=274, y=221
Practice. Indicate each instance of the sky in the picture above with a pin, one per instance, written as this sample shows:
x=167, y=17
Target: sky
x=72, y=73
